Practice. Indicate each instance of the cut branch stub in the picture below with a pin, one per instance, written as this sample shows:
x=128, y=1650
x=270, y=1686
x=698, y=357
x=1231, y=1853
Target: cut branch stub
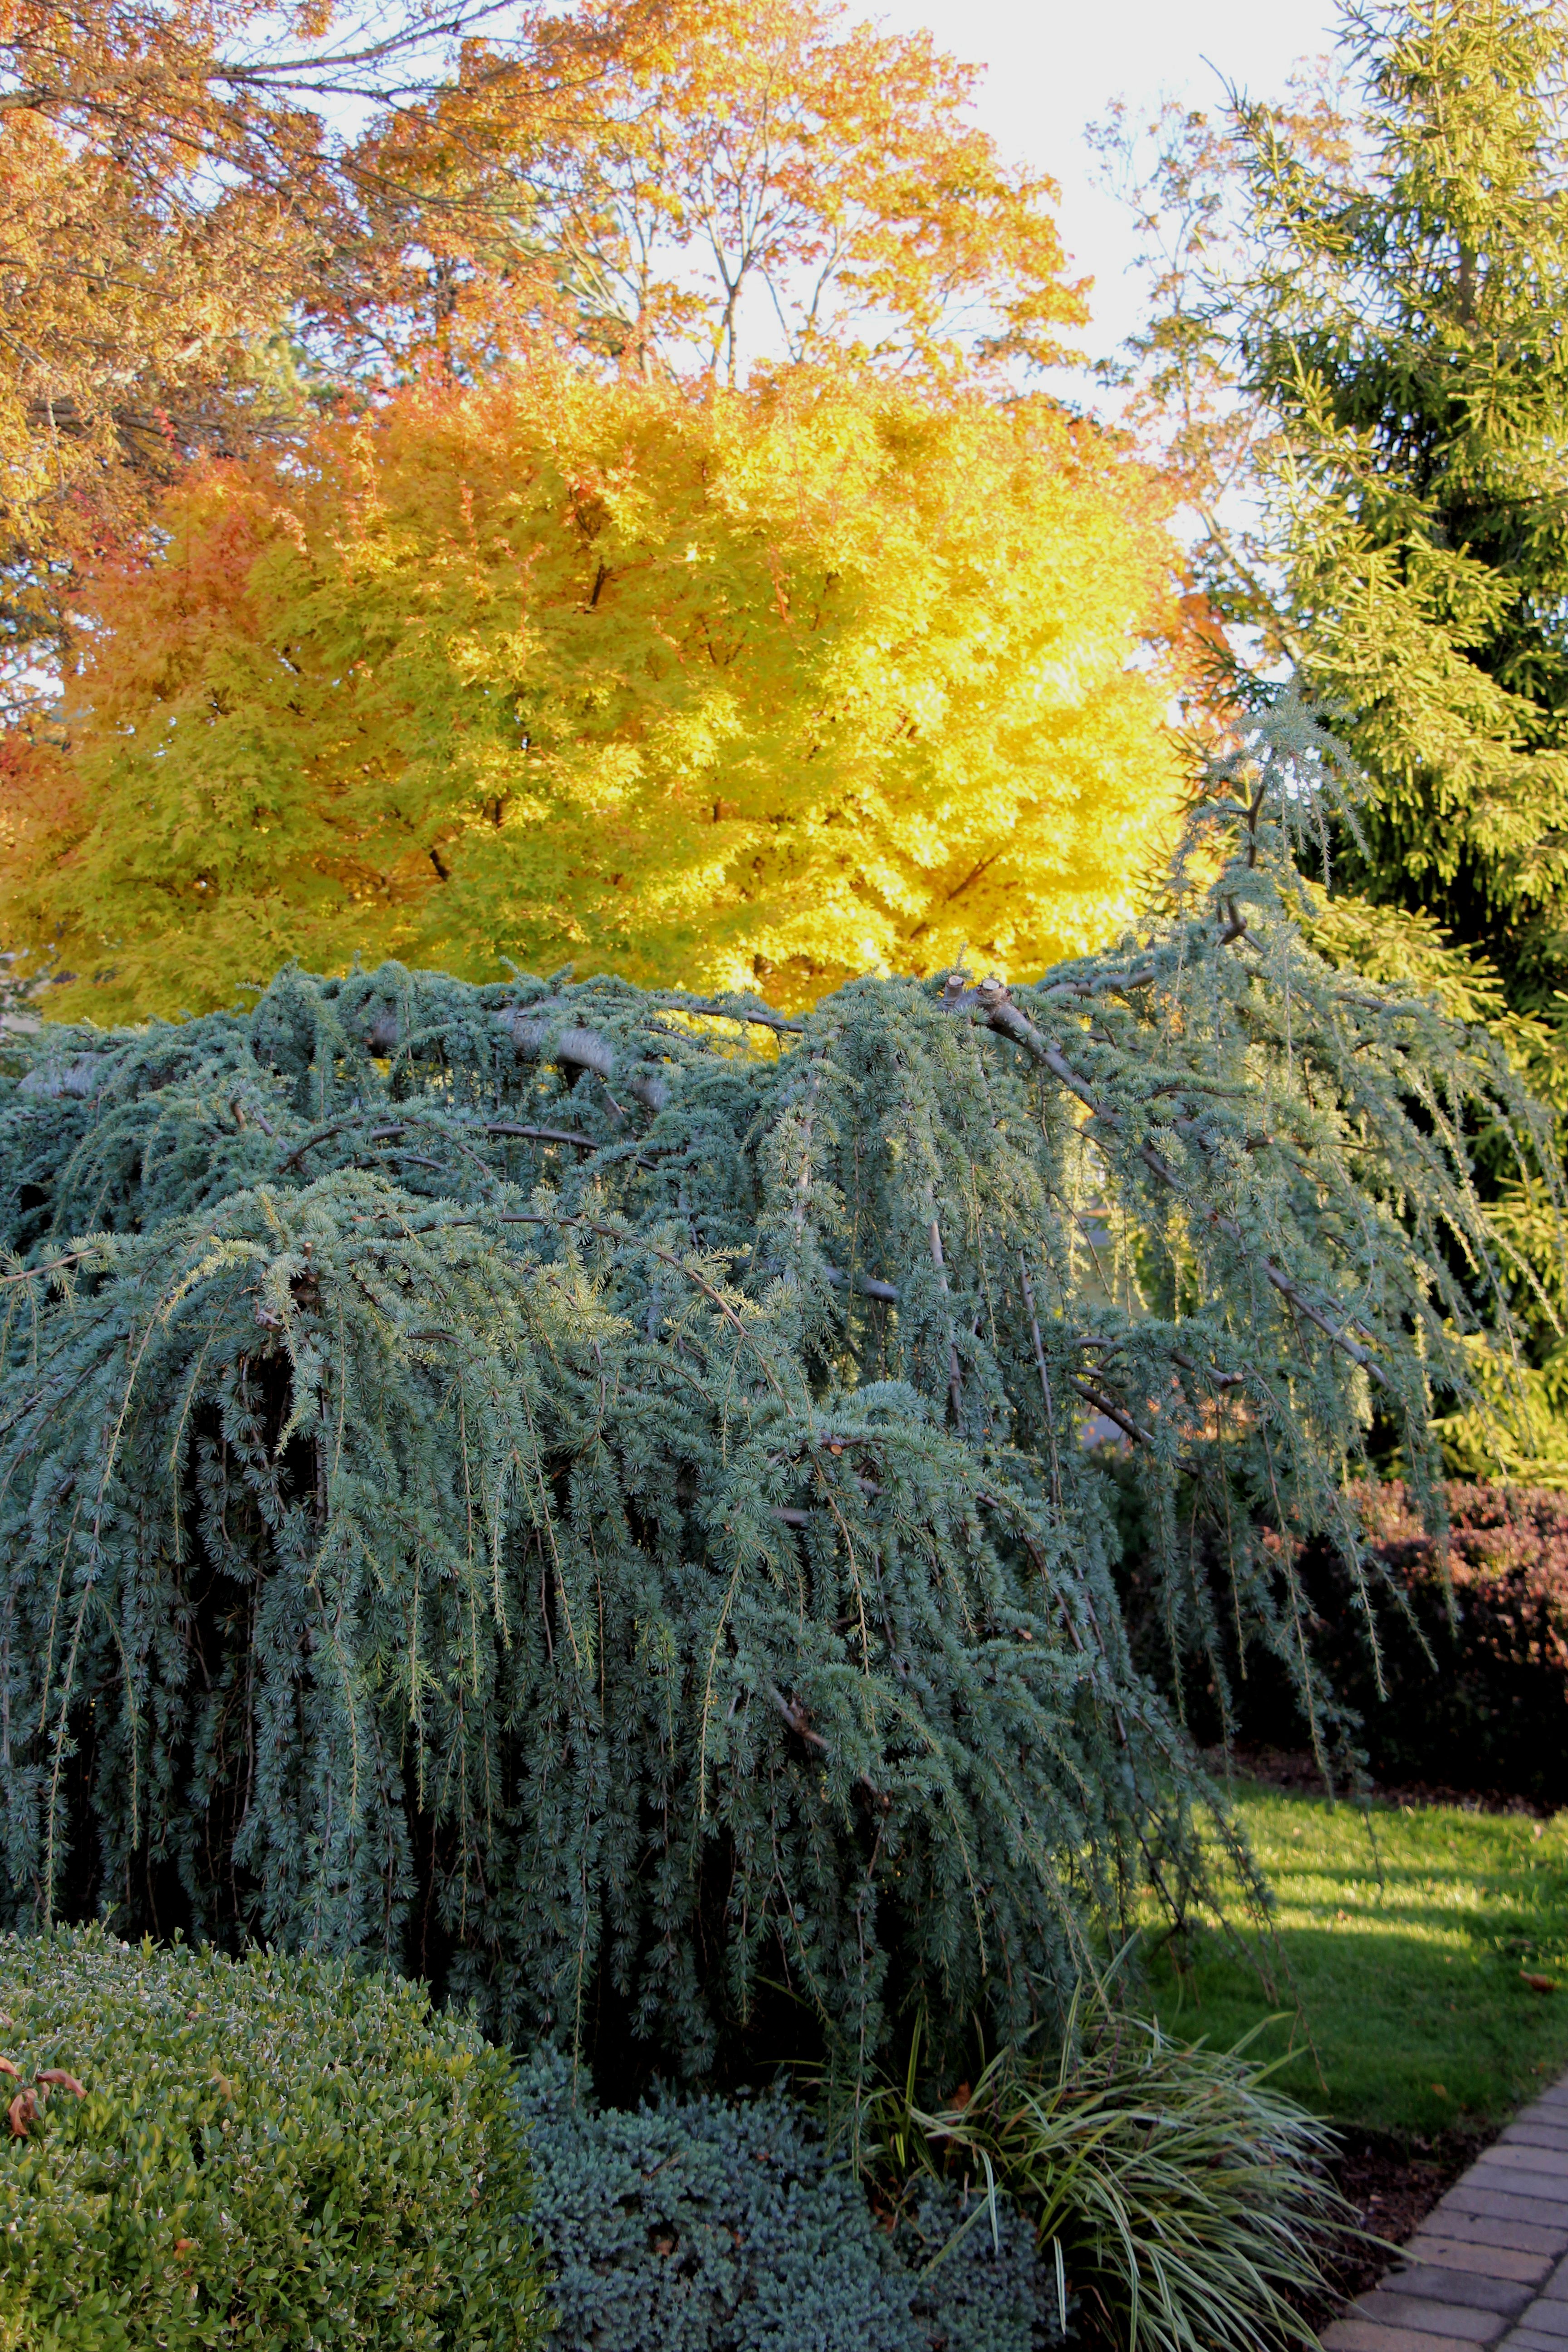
x=535, y=1037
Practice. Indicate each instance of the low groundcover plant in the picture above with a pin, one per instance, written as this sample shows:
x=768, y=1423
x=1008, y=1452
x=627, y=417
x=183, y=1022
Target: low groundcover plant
x=703, y=2224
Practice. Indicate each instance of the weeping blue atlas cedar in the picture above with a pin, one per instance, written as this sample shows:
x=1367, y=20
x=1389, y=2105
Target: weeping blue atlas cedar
x=582, y=1493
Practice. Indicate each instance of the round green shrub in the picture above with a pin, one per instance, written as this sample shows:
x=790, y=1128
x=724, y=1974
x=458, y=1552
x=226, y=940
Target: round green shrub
x=271, y=2151
x=717, y=2225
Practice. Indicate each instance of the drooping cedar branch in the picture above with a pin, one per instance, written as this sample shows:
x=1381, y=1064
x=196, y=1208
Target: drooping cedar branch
x=991, y=1002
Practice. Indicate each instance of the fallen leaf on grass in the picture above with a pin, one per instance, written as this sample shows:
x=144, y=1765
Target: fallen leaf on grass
x=20, y=2113
x=61, y=2080
x=1537, y=1984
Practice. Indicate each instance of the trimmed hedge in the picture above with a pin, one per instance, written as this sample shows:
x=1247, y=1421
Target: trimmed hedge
x=268, y=2152
x=710, y=2225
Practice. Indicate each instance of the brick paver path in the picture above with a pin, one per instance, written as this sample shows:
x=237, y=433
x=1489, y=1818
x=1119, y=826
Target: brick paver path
x=1490, y=2264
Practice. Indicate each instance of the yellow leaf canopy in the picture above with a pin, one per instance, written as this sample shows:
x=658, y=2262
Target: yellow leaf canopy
x=751, y=688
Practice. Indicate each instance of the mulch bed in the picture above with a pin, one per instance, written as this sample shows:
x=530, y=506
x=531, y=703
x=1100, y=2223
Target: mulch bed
x=1392, y=2185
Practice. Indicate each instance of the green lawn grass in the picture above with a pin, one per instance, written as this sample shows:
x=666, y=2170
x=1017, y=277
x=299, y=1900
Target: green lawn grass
x=1403, y=1938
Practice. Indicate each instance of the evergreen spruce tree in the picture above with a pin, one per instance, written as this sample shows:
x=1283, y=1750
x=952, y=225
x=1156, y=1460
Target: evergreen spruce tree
x=581, y=1491
x=1361, y=321
x=1404, y=322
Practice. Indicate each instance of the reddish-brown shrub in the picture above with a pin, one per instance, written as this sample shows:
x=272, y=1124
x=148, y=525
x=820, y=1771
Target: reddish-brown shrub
x=1507, y=1564
x=1474, y=1666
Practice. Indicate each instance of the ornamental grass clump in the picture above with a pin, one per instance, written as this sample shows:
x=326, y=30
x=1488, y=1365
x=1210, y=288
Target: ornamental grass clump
x=272, y=2152
x=578, y=1491
x=1180, y=2201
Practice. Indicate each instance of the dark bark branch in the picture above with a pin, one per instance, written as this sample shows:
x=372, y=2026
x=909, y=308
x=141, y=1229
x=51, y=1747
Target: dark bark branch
x=799, y=1722
x=1112, y=1412
x=1208, y=1371
x=1045, y=1380
x=864, y=1284
x=53, y=1265
x=757, y=1016
x=541, y=1134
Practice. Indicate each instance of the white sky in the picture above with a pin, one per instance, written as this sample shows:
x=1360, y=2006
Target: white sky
x=1050, y=70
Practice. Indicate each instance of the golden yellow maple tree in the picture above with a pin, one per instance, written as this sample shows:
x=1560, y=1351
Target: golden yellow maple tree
x=758, y=688
x=195, y=247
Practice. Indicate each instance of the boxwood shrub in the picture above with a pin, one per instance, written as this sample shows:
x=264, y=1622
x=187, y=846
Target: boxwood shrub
x=271, y=2151
x=715, y=2225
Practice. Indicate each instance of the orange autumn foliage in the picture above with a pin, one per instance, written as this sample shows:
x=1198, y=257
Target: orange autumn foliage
x=197, y=249
x=681, y=186
x=142, y=267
